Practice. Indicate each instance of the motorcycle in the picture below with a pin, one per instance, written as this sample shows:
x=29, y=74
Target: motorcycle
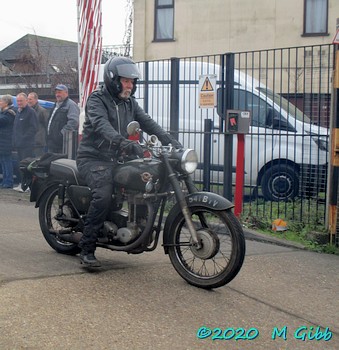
x=152, y=195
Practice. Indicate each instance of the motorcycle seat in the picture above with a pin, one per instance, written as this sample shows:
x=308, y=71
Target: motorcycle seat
x=67, y=170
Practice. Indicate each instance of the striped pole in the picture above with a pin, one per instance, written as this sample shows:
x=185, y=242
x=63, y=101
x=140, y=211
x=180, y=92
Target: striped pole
x=89, y=46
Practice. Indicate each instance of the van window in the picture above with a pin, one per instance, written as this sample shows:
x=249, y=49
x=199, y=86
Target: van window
x=245, y=100
x=285, y=105
x=262, y=113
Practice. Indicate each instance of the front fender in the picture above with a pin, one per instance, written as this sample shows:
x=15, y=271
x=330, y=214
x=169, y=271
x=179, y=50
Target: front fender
x=208, y=199
x=198, y=199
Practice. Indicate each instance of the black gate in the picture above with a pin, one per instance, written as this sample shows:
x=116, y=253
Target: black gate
x=288, y=94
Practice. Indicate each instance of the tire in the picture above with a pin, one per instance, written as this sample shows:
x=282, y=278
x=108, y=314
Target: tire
x=222, y=253
x=280, y=183
x=47, y=212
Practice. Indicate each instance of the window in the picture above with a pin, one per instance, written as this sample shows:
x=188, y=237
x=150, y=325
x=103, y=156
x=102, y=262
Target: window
x=263, y=114
x=56, y=69
x=315, y=17
x=259, y=108
x=164, y=20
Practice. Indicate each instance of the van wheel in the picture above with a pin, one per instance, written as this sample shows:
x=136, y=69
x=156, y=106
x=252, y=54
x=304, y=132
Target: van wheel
x=280, y=183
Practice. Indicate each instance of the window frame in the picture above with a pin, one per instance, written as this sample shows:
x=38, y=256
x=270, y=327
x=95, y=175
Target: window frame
x=158, y=7
x=307, y=34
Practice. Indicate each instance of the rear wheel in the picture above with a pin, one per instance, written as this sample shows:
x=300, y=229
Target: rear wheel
x=49, y=224
x=222, y=250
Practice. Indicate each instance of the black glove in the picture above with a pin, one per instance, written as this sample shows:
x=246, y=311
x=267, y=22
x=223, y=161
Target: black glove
x=167, y=138
x=131, y=148
x=176, y=144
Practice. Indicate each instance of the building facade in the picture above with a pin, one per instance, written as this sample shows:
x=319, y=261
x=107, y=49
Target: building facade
x=186, y=28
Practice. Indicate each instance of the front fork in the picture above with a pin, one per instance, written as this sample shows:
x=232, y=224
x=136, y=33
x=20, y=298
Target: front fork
x=182, y=201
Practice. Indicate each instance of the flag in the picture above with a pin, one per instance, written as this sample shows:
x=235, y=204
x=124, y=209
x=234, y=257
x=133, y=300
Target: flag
x=89, y=46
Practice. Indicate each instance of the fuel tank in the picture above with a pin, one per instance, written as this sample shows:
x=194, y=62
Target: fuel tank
x=135, y=174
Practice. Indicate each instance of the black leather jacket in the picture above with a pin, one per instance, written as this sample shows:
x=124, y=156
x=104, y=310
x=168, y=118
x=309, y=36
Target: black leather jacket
x=105, y=126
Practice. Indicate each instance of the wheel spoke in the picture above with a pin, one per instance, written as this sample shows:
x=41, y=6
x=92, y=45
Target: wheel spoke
x=49, y=223
x=51, y=214
x=213, y=224
x=203, y=271
x=221, y=251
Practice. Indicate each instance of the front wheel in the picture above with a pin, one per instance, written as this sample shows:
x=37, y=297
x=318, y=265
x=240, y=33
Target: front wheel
x=222, y=250
x=48, y=210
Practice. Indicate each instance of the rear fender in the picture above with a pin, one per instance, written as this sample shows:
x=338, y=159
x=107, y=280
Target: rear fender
x=198, y=199
x=42, y=192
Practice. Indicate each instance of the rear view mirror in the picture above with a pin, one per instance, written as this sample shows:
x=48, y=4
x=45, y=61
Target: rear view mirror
x=133, y=128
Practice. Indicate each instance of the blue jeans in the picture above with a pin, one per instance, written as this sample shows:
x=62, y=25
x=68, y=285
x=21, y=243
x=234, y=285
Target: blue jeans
x=7, y=171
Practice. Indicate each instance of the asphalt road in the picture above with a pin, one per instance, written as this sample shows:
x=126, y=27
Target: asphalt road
x=47, y=301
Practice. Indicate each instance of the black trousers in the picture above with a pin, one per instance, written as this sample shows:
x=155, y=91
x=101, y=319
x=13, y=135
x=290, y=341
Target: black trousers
x=99, y=177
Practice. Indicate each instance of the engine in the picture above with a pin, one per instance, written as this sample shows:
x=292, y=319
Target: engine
x=122, y=234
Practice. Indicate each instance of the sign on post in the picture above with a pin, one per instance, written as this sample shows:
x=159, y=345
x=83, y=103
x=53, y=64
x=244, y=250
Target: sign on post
x=237, y=121
x=336, y=37
x=207, y=91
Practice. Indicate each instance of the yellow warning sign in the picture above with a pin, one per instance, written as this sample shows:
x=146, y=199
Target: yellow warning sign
x=206, y=100
x=207, y=87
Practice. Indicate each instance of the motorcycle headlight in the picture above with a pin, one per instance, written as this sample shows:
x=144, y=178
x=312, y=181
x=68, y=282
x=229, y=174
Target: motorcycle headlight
x=189, y=161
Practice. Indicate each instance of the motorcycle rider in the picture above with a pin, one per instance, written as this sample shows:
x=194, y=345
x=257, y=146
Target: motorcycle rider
x=107, y=113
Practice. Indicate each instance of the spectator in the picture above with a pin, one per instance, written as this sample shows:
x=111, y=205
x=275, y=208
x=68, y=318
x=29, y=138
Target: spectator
x=24, y=131
x=42, y=114
x=64, y=117
x=7, y=116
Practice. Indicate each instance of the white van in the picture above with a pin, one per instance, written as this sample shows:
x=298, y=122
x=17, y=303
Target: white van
x=285, y=155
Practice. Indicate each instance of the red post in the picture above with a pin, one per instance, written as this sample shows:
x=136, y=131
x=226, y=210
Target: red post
x=239, y=175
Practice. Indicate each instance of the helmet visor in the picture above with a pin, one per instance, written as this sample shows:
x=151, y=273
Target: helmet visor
x=130, y=71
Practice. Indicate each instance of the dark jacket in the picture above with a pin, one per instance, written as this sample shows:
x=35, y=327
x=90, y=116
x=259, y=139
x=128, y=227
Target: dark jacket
x=105, y=126
x=42, y=115
x=66, y=117
x=25, y=128
x=7, y=117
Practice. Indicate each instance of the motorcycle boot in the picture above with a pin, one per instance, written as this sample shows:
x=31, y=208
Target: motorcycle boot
x=89, y=259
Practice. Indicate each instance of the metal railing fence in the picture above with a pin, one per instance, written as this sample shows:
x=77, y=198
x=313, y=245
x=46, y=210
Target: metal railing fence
x=288, y=93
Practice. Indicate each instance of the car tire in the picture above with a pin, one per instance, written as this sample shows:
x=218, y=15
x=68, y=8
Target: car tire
x=280, y=183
